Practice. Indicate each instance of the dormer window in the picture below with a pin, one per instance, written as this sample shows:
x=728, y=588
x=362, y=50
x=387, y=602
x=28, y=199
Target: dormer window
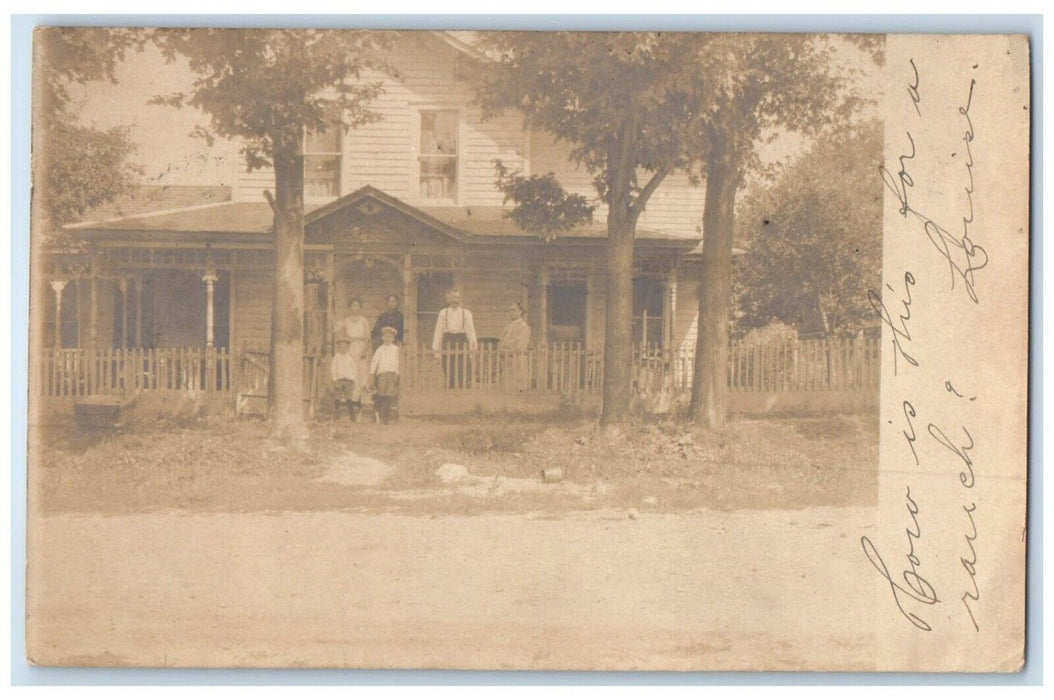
x=438, y=155
x=322, y=163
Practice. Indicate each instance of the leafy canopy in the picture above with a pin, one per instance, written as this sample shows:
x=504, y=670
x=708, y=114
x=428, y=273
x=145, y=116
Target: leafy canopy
x=814, y=238
x=80, y=167
x=750, y=88
x=543, y=206
x=608, y=95
x=266, y=86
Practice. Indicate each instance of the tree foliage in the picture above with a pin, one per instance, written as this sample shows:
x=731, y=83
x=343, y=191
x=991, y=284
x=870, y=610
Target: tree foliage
x=266, y=86
x=78, y=166
x=607, y=95
x=611, y=97
x=748, y=88
x=814, y=238
x=543, y=206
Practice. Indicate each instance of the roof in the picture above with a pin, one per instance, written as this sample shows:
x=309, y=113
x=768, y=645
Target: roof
x=151, y=198
x=256, y=218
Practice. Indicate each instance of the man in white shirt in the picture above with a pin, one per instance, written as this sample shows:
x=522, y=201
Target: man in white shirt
x=455, y=337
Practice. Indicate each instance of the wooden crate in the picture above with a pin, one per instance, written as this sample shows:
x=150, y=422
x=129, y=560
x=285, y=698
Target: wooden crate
x=102, y=411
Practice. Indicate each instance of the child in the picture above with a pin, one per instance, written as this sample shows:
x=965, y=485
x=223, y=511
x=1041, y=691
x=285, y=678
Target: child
x=384, y=369
x=342, y=370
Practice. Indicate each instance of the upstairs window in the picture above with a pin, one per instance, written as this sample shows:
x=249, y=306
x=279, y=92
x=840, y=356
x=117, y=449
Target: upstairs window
x=438, y=155
x=322, y=163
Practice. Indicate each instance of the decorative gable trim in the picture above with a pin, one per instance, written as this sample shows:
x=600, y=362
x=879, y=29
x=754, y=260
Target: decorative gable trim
x=369, y=201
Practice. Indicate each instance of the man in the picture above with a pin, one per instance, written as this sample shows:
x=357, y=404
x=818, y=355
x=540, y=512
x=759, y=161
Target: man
x=455, y=336
x=393, y=318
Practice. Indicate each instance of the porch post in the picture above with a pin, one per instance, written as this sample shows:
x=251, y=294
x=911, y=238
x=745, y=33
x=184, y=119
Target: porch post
x=79, y=289
x=123, y=286
x=57, y=286
x=138, y=283
x=669, y=328
x=409, y=303
x=328, y=341
x=543, y=305
x=93, y=319
x=210, y=280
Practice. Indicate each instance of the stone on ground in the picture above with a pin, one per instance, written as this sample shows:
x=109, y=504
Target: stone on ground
x=450, y=473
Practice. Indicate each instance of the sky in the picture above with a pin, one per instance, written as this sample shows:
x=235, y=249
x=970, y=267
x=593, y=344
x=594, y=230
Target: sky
x=165, y=149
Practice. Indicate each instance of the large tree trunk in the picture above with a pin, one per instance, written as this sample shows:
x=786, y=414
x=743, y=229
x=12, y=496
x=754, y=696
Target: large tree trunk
x=286, y=395
x=709, y=405
x=618, y=328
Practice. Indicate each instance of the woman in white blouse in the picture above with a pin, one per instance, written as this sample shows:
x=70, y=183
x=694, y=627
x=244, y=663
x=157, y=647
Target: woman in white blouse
x=356, y=329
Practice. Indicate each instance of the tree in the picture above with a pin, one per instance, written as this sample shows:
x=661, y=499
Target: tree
x=814, y=237
x=267, y=88
x=79, y=167
x=748, y=87
x=610, y=97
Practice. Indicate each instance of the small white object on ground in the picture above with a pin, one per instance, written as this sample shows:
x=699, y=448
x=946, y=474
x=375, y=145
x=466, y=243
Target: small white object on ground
x=552, y=475
x=451, y=473
x=651, y=501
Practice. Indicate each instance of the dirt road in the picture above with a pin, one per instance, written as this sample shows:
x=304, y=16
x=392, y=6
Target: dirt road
x=699, y=590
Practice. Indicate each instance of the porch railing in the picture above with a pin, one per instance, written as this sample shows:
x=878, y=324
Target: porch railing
x=84, y=372
x=564, y=369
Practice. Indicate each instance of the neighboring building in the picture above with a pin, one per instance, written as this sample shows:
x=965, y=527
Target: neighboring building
x=407, y=205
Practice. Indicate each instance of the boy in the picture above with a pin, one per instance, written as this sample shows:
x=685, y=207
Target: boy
x=384, y=369
x=342, y=371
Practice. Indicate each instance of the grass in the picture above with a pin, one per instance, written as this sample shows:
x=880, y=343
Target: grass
x=220, y=464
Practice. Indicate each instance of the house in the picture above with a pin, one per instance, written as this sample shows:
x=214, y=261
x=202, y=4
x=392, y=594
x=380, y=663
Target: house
x=407, y=205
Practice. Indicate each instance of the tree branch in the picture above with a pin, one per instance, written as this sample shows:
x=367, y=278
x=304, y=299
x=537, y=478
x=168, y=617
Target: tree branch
x=649, y=189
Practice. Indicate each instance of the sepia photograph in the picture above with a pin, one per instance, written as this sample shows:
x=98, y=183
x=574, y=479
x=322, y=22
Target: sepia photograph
x=527, y=350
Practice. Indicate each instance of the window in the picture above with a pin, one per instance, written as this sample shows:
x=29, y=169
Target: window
x=567, y=311
x=322, y=163
x=437, y=159
x=649, y=302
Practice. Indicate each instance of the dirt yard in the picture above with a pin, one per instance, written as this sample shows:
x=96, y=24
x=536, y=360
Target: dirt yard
x=198, y=544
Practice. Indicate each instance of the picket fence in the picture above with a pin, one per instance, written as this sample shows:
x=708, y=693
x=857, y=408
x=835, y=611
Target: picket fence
x=564, y=369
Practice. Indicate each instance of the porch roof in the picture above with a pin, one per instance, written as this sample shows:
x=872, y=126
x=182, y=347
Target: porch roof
x=253, y=220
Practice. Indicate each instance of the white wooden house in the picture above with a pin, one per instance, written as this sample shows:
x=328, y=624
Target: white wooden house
x=407, y=205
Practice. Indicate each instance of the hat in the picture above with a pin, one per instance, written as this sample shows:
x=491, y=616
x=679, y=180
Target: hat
x=388, y=330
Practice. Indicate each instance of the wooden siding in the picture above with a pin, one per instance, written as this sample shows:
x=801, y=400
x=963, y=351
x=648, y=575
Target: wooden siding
x=686, y=316
x=489, y=295
x=251, y=310
x=676, y=207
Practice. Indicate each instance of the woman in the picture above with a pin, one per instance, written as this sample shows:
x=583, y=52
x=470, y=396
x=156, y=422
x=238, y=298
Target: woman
x=516, y=336
x=356, y=330
x=515, y=339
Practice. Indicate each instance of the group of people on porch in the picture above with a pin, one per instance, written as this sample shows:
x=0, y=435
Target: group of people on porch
x=355, y=374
